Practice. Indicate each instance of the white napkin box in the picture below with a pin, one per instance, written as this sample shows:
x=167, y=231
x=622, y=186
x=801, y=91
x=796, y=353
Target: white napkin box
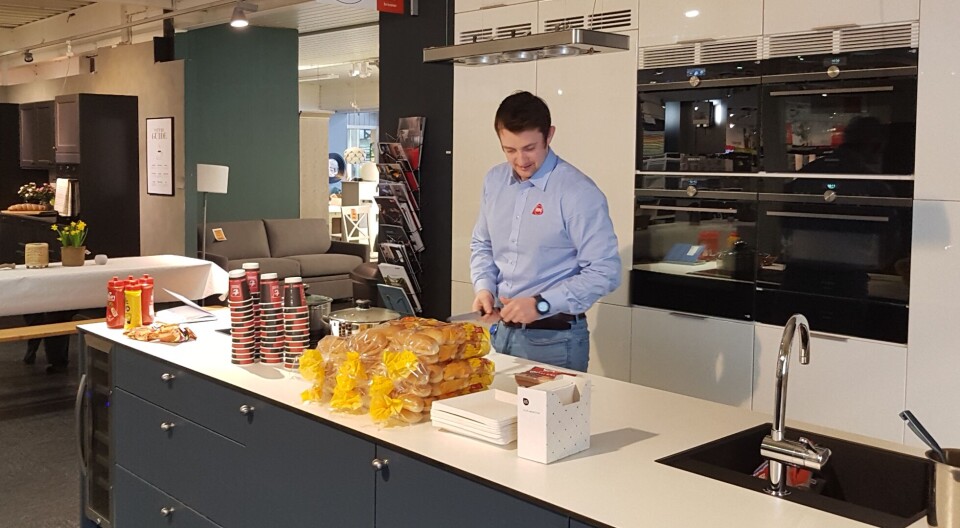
x=553, y=419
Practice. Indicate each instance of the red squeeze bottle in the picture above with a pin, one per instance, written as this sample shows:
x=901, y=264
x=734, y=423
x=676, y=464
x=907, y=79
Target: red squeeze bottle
x=146, y=301
x=115, y=303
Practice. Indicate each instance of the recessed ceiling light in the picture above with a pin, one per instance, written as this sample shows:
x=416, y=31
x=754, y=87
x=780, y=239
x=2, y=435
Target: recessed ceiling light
x=692, y=13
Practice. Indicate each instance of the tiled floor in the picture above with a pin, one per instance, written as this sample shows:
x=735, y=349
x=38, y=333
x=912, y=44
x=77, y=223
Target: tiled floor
x=39, y=478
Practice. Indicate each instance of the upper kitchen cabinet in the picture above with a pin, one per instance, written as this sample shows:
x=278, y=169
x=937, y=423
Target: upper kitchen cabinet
x=665, y=22
x=37, y=135
x=68, y=129
x=600, y=15
x=462, y=6
x=502, y=22
x=786, y=16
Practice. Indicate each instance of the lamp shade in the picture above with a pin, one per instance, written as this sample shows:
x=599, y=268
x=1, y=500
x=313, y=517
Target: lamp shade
x=369, y=172
x=212, y=178
x=354, y=155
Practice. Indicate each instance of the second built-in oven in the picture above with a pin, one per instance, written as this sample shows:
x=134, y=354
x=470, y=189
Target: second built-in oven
x=839, y=254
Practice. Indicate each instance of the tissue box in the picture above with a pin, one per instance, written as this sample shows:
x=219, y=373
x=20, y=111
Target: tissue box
x=553, y=419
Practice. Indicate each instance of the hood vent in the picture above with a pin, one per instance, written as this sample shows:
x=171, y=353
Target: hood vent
x=476, y=35
x=569, y=42
x=666, y=57
x=843, y=40
x=559, y=24
x=515, y=30
x=610, y=20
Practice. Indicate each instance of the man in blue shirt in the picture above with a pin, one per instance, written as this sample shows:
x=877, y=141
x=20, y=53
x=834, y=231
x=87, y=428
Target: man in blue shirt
x=543, y=248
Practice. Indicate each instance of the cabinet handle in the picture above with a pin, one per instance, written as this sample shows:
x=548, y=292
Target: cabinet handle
x=688, y=315
x=379, y=464
x=166, y=426
x=246, y=409
x=167, y=511
x=167, y=376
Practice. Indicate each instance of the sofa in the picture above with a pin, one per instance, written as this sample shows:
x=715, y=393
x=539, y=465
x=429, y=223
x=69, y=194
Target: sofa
x=296, y=247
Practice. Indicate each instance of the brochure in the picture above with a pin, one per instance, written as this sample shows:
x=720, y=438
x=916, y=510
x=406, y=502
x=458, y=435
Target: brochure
x=190, y=312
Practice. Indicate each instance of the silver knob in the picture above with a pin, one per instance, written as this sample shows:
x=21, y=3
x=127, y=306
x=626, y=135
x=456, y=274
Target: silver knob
x=166, y=426
x=167, y=511
x=691, y=190
x=694, y=81
x=833, y=71
x=830, y=196
x=379, y=464
x=167, y=376
x=246, y=409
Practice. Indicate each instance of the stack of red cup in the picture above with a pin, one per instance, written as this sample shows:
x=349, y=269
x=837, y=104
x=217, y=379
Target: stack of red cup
x=271, y=319
x=296, y=322
x=252, y=271
x=242, y=328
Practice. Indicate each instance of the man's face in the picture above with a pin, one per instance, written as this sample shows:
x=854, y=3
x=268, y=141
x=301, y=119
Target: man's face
x=525, y=150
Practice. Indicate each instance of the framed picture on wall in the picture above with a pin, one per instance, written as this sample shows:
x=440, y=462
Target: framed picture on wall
x=160, y=167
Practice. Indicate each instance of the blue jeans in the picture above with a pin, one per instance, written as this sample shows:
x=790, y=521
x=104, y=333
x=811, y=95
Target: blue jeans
x=562, y=348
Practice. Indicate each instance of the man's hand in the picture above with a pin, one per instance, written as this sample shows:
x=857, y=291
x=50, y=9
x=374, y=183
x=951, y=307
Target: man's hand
x=521, y=310
x=483, y=302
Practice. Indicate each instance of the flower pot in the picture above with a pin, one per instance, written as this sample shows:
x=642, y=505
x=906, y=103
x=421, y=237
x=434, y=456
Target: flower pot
x=72, y=256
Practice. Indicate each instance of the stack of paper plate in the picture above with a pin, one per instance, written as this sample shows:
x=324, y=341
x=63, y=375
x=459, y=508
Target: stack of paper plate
x=489, y=415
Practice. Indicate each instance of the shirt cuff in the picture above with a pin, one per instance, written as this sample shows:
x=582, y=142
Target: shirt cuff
x=557, y=300
x=485, y=284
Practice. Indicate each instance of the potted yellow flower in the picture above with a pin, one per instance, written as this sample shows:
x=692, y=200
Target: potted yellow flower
x=72, y=238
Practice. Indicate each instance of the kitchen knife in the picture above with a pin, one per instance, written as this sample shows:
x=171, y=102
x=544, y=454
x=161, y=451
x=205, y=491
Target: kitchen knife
x=465, y=317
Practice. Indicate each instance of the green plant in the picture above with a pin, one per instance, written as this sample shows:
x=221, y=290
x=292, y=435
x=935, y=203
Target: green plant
x=33, y=193
x=73, y=235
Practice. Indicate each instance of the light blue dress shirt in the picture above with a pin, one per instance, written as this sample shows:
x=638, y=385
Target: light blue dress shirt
x=549, y=235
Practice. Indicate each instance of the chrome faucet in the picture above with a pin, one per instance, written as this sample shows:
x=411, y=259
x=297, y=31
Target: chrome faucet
x=774, y=447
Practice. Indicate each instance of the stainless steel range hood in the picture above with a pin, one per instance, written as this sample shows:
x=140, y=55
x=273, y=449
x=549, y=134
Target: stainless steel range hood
x=564, y=43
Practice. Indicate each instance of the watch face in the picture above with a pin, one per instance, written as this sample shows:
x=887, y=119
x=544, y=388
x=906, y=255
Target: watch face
x=543, y=307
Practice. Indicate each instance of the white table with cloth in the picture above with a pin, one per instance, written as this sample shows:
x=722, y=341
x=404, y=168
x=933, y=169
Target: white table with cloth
x=57, y=288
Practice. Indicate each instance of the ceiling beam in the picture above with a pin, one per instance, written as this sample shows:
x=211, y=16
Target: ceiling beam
x=163, y=4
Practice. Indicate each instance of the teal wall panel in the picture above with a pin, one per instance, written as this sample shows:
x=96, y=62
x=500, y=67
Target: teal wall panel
x=242, y=111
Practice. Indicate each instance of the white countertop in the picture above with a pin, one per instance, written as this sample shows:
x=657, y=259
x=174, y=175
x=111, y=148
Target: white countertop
x=616, y=481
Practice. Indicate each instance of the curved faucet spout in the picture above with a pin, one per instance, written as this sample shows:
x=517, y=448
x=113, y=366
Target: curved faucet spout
x=796, y=321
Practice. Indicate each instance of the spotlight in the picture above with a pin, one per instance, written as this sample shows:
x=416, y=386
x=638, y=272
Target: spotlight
x=27, y=56
x=239, y=18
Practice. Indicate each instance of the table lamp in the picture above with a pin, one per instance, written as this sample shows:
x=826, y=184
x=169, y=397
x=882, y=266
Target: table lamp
x=210, y=179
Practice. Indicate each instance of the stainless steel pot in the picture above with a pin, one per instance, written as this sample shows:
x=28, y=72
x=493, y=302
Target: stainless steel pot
x=347, y=322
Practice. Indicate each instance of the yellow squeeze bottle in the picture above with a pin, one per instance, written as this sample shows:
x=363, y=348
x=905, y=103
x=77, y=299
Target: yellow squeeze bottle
x=132, y=314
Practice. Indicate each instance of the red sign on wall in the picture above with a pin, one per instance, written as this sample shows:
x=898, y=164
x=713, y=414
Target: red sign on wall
x=390, y=6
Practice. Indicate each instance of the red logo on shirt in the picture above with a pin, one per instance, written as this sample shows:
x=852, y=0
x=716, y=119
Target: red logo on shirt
x=538, y=210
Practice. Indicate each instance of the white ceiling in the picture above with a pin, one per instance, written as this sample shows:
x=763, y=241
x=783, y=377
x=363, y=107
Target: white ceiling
x=14, y=13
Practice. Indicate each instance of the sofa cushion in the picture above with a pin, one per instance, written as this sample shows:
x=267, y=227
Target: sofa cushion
x=297, y=236
x=281, y=266
x=329, y=264
x=245, y=239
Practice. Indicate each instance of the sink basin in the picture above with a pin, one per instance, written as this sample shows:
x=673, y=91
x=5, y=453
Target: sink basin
x=874, y=486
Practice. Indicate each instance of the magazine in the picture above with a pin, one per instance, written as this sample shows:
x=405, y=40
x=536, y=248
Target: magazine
x=410, y=134
x=398, y=191
x=398, y=235
x=397, y=276
x=190, y=312
x=393, y=212
x=393, y=253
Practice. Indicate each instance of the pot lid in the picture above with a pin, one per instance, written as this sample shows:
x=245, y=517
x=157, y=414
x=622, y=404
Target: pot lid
x=363, y=313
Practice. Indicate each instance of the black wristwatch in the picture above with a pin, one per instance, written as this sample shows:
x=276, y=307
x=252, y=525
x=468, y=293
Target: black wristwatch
x=542, y=305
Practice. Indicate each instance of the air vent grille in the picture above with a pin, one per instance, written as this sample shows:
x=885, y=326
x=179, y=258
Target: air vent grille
x=560, y=24
x=809, y=43
x=611, y=19
x=514, y=30
x=868, y=38
x=475, y=35
x=730, y=51
x=666, y=57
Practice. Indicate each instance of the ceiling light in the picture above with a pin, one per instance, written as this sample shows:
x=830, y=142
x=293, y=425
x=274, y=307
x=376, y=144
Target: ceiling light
x=692, y=13
x=27, y=56
x=239, y=18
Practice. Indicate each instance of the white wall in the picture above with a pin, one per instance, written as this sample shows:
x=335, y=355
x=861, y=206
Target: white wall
x=314, y=168
x=130, y=70
x=340, y=94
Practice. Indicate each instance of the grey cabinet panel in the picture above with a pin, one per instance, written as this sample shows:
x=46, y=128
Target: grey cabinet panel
x=413, y=494
x=68, y=129
x=309, y=474
x=215, y=406
x=191, y=463
x=44, y=142
x=140, y=505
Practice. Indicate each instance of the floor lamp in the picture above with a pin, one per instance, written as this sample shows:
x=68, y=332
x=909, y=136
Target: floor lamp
x=210, y=179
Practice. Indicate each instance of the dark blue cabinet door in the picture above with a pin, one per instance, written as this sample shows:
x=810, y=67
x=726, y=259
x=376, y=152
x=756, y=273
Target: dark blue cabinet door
x=307, y=474
x=414, y=494
x=140, y=505
x=578, y=524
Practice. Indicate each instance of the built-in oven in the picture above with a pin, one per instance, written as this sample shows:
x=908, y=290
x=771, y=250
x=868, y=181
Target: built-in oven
x=92, y=420
x=853, y=113
x=699, y=119
x=839, y=254
x=694, y=244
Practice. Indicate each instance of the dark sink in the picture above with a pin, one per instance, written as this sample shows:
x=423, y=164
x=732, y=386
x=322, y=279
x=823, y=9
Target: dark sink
x=859, y=482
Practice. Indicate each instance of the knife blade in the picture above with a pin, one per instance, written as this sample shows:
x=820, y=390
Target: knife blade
x=469, y=316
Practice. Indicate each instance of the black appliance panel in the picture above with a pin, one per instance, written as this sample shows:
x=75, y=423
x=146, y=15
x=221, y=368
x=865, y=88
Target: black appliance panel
x=699, y=119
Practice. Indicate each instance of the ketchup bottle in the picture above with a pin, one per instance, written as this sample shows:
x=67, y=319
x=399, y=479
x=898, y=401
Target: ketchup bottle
x=146, y=299
x=115, y=303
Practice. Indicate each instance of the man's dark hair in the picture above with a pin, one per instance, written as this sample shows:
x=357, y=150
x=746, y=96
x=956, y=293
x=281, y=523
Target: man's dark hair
x=523, y=111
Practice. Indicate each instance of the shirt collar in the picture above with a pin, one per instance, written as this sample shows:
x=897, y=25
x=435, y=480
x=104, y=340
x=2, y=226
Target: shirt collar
x=539, y=178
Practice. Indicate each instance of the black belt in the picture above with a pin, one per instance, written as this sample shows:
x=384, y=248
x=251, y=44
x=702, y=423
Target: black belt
x=561, y=321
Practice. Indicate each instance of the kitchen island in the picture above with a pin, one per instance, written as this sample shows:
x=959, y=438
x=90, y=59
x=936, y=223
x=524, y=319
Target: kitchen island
x=432, y=478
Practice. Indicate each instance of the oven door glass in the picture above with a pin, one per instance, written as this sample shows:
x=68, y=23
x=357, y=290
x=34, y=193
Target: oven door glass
x=841, y=127
x=699, y=130
x=696, y=253
x=844, y=264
